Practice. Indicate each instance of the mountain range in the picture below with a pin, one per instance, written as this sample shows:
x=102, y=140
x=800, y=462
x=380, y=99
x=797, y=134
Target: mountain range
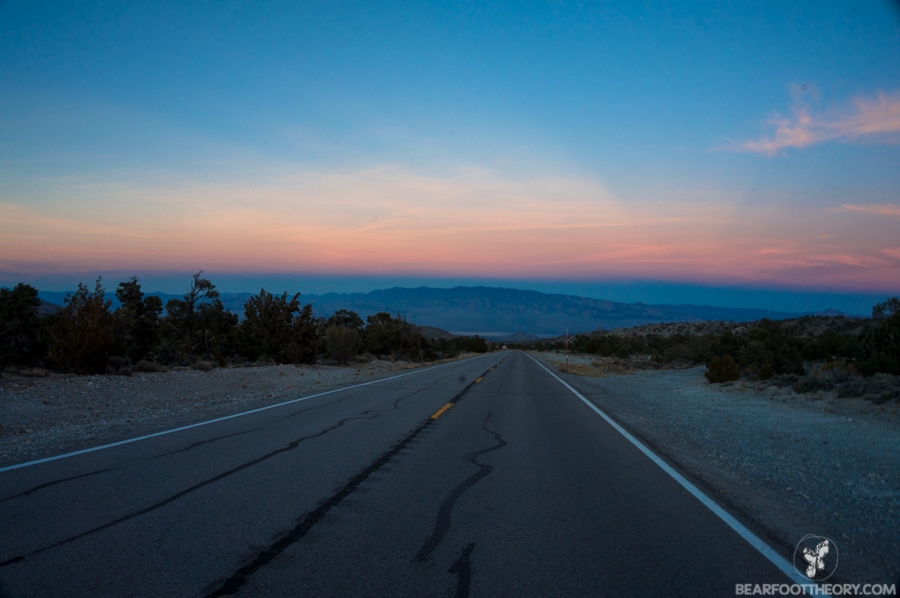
x=499, y=312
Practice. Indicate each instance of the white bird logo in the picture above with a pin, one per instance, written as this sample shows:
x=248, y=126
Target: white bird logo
x=815, y=558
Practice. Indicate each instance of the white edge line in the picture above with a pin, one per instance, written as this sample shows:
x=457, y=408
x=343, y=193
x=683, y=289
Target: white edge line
x=218, y=419
x=767, y=551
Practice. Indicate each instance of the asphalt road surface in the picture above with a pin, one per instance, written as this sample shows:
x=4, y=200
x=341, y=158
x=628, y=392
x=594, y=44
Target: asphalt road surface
x=485, y=477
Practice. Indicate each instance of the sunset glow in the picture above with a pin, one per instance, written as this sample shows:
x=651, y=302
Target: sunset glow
x=444, y=141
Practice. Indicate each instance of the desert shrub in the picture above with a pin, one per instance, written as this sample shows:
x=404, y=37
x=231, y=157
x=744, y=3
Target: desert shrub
x=681, y=352
x=476, y=344
x=754, y=355
x=385, y=334
x=82, y=334
x=584, y=343
x=148, y=367
x=837, y=371
x=878, y=388
x=827, y=376
x=879, y=344
x=363, y=358
x=722, y=344
x=615, y=346
x=119, y=366
x=809, y=384
x=447, y=347
x=341, y=343
x=788, y=361
x=831, y=344
x=783, y=380
x=766, y=342
x=168, y=353
x=722, y=369
x=382, y=333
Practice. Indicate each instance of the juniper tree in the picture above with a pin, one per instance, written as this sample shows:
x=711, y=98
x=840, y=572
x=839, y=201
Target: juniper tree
x=82, y=334
x=20, y=341
x=268, y=326
x=192, y=321
x=138, y=318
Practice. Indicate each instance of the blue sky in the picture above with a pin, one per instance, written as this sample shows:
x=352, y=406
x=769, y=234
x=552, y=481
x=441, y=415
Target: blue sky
x=719, y=145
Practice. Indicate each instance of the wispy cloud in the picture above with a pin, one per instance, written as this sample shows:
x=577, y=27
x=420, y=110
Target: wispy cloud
x=872, y=118
x=892, y=252
x=878, y=209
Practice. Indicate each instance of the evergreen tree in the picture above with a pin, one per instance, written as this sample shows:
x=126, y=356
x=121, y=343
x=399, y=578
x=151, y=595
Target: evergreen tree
x=199, y=323
x=268, y=327
x=304, y=337
x=20, y=326
x=82, y=334
x=138, y=317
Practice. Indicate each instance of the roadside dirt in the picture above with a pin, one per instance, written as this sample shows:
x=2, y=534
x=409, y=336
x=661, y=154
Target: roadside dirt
x=56, y=413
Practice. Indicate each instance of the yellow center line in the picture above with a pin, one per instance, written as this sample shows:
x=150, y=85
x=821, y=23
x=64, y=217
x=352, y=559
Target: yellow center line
x=440, y=411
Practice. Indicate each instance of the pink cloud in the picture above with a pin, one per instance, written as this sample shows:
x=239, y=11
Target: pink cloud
x=892, y=252
x=871, y=118
x=884, y=209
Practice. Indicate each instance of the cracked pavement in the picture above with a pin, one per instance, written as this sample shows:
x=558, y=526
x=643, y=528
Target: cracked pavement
x=480, y=477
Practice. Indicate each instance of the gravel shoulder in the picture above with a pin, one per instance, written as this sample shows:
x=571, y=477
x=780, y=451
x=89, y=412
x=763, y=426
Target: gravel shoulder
x=790, y=465
x=46, y=416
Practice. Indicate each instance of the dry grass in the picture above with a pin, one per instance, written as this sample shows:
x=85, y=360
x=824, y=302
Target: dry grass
x=34, y=372
x=597, y=368
x=203, y=365
x=26, y=371
x=579, y=369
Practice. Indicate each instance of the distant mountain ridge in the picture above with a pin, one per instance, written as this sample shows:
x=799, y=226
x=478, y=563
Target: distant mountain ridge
x=501, y=312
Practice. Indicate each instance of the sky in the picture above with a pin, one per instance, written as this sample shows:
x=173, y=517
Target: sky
x=742, y=154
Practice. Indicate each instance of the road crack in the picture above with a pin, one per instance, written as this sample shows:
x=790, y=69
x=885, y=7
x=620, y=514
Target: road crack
x=442, y=521
x=463, y=569
x=236, y=581
x=305, y=523
x=202, y=442
x=53, y=483
x=291, y=446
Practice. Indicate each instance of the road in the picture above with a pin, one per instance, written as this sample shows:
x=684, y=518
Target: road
x=484, y=477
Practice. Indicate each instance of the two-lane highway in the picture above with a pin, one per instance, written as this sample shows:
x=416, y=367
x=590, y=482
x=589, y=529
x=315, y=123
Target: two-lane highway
x=482, y=477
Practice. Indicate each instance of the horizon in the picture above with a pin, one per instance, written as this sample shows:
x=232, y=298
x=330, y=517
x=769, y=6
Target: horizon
x=745, y=154
x=647, y=292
